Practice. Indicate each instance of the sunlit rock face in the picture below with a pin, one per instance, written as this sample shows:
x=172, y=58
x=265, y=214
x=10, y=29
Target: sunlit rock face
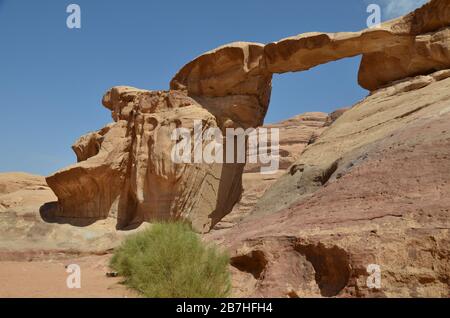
x=373, y=189
x=125, y=170
x=232, y=82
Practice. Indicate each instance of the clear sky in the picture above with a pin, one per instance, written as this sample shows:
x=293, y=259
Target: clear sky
x=52, y=78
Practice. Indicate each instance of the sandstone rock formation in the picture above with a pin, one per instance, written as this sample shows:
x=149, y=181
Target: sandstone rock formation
x=124, y=170
x=411, y=45
x=415, y=44
x=231, y=82
x=425, y=53
x=29, y=230
x=314, y=168
x=19, y=191
x=295, y=134
x=373, y=189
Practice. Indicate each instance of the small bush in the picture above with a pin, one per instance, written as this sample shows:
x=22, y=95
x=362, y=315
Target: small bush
x=169, y=260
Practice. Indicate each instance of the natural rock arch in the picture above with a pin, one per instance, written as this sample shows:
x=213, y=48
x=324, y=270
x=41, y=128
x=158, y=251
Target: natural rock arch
x=123, y=169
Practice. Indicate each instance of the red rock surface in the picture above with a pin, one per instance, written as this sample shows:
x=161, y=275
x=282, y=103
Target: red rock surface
x=385, y=202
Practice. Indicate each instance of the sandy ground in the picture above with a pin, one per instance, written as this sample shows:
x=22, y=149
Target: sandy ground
x=47, y=278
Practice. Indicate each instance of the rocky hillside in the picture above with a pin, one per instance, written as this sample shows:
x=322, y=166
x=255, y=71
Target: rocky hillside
x=373, y=189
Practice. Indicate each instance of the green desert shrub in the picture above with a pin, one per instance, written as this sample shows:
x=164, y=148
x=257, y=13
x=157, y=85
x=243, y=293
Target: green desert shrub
x=170, y=260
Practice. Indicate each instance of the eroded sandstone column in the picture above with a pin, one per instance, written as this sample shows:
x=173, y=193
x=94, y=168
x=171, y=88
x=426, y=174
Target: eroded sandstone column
x=126, y=171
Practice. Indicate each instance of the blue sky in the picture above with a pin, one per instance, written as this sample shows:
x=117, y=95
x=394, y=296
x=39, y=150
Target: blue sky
x=52, y=78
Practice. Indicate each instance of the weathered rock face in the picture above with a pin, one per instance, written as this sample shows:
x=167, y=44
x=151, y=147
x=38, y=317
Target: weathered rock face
x=29, y=230
x=431, y=16
x=424, y=54
x=295, y=134
x=373, y=189
x=232, y=82
x=126, y=171
x=19, y=191
x=358, y=127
